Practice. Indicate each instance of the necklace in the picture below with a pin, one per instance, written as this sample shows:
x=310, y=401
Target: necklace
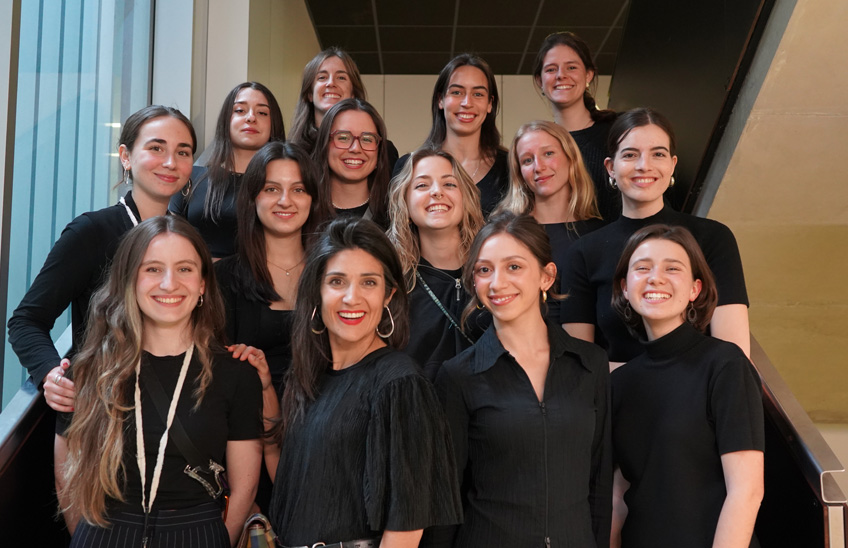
x=288, y=270
x=354, y=207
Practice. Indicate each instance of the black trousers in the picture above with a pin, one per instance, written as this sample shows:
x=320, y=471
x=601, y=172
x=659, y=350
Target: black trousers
x=196, y=527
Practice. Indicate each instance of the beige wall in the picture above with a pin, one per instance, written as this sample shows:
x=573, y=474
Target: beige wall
x=785, y=195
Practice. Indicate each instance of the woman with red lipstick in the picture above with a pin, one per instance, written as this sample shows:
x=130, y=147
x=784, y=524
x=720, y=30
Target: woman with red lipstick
x=465, y=109
x=249, y=118
x=527, y=405
x=156, y=149
x=687, y=415
x=148, y=379
x=352, y=162
x=640, y=166
x=549, y=182
x=564, y=72
x=435, y=210
x=362, y=447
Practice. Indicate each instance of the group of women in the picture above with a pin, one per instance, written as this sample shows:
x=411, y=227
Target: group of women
x=398, y=350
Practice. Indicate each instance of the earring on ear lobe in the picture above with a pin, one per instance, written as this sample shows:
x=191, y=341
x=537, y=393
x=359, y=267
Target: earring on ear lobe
x=671, y=182
x=628, y=312
x=612, y=183
x=312, y=320
x=392, y=330
x=200, y=301
x=126, y=180
x=691, y=313
x=544, y=296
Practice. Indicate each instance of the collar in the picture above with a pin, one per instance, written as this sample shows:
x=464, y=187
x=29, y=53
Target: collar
x=675, y=343
x=489, y=349
x=131, y=204
x=663, y=216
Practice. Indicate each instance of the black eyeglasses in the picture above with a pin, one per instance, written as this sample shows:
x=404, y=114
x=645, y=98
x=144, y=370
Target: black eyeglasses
x=344, y=139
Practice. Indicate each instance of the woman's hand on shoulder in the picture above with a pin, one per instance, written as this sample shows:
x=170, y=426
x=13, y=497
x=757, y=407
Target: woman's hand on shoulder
x=59, y=391
x=255, y=357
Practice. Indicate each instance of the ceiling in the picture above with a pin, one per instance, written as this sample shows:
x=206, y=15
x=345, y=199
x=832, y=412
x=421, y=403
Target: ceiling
x=420, y=37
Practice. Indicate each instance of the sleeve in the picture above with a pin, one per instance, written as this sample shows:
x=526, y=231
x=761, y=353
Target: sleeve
x=736, y=406
x=69, y=270
x=410, y=476
x=600, y=488
x=244, y=420
x=579, y=303
x=722, y=254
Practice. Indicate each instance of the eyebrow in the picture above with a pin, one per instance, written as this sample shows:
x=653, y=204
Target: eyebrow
x=668, y=260
x=245, y=102
x=181, y=261
x=164, y=142
x=325, y=71
x=653, y=148
x=484, y=88
x=363, y=275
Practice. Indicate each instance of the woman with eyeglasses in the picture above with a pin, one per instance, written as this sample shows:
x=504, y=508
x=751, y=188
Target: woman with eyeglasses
x=351, y=156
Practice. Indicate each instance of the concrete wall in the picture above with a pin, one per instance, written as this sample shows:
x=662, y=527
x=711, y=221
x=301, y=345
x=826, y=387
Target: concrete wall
x=785, y=195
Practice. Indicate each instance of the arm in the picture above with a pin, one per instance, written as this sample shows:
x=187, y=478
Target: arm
x=243, y=461
x=60, y=454
x=59, y=390
x=743, y=476
x=401, y=539
x=730, y=323
x=583, y=331
x=619, y=508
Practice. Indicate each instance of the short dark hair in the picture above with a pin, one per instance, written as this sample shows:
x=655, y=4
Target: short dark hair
x=255, y=282
x=638, y=117
x=706, y=301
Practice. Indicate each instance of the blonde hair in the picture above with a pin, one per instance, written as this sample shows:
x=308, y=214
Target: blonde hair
x=404, y=235
x=520, y=198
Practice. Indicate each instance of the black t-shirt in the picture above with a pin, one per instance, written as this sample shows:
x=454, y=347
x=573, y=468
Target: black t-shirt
x=531, y=470
x=220, y=234
x=675, y=410
x=590, y=266
x=371, y=453
x=562, y=236
x=252, y=322
x=592, y=143
x=74, y=269
x=433, y=339
x=493, y=187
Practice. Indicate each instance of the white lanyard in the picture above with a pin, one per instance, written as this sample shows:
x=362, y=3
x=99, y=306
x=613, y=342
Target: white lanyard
x=139, y=433
x=129, y=211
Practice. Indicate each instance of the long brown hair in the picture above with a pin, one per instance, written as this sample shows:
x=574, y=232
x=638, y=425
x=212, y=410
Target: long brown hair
x=104, y=369
x=404, y=234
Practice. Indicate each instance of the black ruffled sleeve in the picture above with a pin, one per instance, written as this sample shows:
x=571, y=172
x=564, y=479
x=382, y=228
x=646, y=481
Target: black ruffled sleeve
x=410, y=476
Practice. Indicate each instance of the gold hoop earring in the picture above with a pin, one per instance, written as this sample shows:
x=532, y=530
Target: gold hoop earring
x=612, y=183
x=671, y=182
x=312, y=320
x=200, y=301
x=186, y=189
x=544, y=296
x=392, y=330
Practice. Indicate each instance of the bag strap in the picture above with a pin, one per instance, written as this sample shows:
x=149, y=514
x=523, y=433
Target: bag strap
x=441, y=306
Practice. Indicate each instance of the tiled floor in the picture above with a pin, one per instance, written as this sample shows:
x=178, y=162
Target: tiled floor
x=836, y=436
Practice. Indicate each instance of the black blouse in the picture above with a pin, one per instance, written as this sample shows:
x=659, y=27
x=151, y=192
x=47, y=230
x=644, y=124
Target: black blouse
x=219, y=235
x=562, y=236
x=592, y=143
x=371, y=453
x=74, y=269
x=590, y=266
x=534, y=473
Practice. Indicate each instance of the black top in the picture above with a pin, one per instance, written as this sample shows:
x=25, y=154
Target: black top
x=562, y=235
x=371, y=453
x=675, y=411
x=219, y=235
x=231, y=410
x=590, y=266
x=433, y=339
x=74, y=269
x=534, y=473
x=493, y=187
x=592, y=143
x=252, y=322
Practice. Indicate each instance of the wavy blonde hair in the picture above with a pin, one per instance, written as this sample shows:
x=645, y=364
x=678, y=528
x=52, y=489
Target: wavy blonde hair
x=404, y=234
x=104, y=370
x=521, y=200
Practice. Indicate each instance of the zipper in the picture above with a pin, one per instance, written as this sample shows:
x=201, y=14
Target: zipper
x=458, y=289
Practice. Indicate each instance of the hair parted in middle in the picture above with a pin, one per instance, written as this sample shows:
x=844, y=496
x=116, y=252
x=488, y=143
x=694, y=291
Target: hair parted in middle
x=523, y=228
x=312, y=355
x=404, y=234
x=104, y=369
x=520, y=199
x=707, y=299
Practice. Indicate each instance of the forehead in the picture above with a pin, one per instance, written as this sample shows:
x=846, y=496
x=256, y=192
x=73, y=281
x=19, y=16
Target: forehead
x=645, y=137
x=353, y=262
x=536, y=139
x=658, y=250
x=468, y=76
x=433, y=166
x=170, y=247
x=251, y=96
x=282, y=171
x=332, y=64
x=562, y=54
x=503, y=245
x=355, y=121
x=166, y=128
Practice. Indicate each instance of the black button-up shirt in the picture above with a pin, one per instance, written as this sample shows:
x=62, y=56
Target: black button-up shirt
x=534, y=473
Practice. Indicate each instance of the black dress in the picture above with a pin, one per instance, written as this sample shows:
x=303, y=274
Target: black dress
x=534, y=473
x=219, y=234
x=433, y=339
x=675, y=411
x=372, y=453
x=251, y=322
x=562, y=236
x=592, y=143
x=590, y=266
x=493, y=187
x=74, y=269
